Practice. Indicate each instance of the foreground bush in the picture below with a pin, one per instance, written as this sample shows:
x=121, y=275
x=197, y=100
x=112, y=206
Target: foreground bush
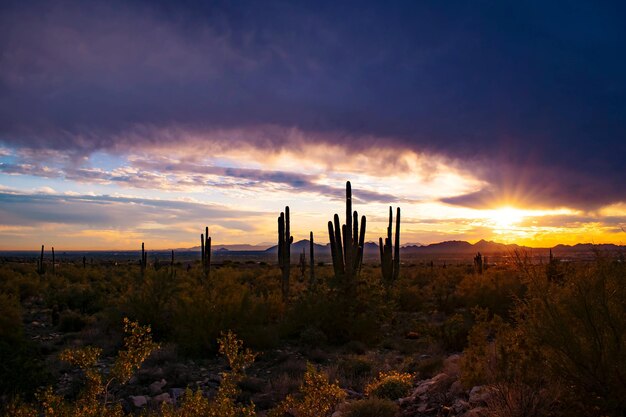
x=94, y=400
x=224, y=404
x=372, y=407
x=318, y=397
x=390, y=385
x=565, y=350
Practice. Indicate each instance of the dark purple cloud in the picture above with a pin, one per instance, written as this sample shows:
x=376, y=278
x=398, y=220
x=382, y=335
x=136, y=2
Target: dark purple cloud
x=529, y=96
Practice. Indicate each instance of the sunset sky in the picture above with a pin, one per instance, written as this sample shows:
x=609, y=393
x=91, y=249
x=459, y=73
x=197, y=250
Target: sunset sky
x=123, y=122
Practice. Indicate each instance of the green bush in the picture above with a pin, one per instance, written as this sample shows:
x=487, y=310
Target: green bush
x=580, y=327
x=390, y=385
x=372, y=407
x=71, y=321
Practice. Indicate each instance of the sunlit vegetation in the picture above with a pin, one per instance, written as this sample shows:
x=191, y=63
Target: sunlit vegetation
x=544, y=339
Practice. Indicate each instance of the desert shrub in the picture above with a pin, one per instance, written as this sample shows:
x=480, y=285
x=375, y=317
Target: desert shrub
x=318, y=397
x=22, y=368
x=152, y=301
x=312, y=336
x=568, y=333
x=440, y=292
x=94, y=399
x=580, y=326
x=71, y=321
x=453, y=332
x=390, y=385
x=202, y=311
x=10, y=318
x=497, y=351
x=516, y=399
x=224, y=404
x=409, y=298
x=352, y=372
x=372, y=407
x=494, y=290
x=426, y=367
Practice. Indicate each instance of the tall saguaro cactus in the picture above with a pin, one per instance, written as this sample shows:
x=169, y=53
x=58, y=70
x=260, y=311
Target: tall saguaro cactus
x=41, y=268
x=390, y=253
x=312, y=262
x=144, y=259
x=347, y=255
x=284, y=250
x=205, y=243
x=53, y=261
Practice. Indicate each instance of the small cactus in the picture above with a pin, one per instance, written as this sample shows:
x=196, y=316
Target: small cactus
x=284, y=250
x=390, y=253
x=478, y=263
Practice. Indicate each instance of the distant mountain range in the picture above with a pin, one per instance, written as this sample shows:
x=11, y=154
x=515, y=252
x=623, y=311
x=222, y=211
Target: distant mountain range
x=451, y=247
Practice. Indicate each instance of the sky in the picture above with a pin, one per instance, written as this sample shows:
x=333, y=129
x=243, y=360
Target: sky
x=131, y=121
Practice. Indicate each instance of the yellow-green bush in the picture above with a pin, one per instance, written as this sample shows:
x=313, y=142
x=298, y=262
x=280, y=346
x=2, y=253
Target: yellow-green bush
x=390, y=385
x=372, y=407
x=318, y=397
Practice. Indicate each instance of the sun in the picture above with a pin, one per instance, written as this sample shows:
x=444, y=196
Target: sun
x=505, y=218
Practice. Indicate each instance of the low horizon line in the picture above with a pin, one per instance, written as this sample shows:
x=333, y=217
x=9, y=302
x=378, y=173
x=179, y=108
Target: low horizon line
x=410, y=244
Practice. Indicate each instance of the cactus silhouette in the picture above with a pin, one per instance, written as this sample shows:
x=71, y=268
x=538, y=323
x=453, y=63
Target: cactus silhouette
x=41, y=268
x=312, y=262
x=390, y=253
x=144, y=259
x=205, y=243
x=347, y=255
x=284, y=250
x=478, y=263
x=53, y=261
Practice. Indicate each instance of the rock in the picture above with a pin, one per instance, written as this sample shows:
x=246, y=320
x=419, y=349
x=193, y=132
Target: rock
x=215, y=378
x=157, y=386
x=479, y=395
x=452, y=365
x=162, y=398
x=460, y=406
x=475, y=412
x=456, y=389
x=176, y=393
x=353, y=394
x=139, y=400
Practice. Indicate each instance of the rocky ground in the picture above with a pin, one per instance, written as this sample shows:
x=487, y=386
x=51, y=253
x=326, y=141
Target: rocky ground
x=277, y=372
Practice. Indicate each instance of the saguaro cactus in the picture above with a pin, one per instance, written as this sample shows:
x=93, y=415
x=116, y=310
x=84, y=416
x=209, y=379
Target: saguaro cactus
x=205, y=243
x=144, y=259
x=478, y=263
x=389, y=253
x=41, y=268
x=312, y=262
x=347, y=255
x=284, y=250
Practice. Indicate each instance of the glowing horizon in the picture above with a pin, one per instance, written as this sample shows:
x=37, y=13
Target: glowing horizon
x=114, y=203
